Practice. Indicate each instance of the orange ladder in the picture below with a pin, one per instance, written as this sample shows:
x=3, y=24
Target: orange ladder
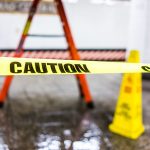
x=82, y=83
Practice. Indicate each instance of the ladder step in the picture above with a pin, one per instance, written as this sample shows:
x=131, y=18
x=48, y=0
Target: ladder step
x=46, y=35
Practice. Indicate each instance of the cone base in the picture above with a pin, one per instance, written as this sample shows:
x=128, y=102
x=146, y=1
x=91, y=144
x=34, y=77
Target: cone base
x=132, y=134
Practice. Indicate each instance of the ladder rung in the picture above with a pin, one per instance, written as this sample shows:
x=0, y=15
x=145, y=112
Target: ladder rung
x=45, y=35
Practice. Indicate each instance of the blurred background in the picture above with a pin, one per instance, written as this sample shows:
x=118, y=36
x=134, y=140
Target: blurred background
x=95, y=24
x=47, y=112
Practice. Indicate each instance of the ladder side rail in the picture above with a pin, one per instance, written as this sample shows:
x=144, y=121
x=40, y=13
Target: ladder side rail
x=27, y=26
x=19, y=50
x=83, y=86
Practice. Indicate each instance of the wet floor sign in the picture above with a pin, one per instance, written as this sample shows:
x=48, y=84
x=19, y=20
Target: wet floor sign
x=128, y=115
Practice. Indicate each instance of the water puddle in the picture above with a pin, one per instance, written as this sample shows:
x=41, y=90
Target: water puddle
x=62, y=130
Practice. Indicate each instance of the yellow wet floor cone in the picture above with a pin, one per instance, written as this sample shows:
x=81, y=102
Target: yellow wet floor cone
x=128, y=115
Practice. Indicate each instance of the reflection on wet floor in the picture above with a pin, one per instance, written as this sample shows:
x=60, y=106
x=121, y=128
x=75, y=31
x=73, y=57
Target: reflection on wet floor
x=3, y=145
x=70, y=129
x=32, y=121
x=85, y=134
x=53, y=130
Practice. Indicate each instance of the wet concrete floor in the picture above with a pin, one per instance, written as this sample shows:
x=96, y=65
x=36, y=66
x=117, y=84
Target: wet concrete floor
x=46, y=113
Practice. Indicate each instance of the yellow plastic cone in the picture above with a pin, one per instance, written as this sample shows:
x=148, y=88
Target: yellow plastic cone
x=128, y=115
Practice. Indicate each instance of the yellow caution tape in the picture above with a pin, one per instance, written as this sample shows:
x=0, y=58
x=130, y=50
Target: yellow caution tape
x=31, y=66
